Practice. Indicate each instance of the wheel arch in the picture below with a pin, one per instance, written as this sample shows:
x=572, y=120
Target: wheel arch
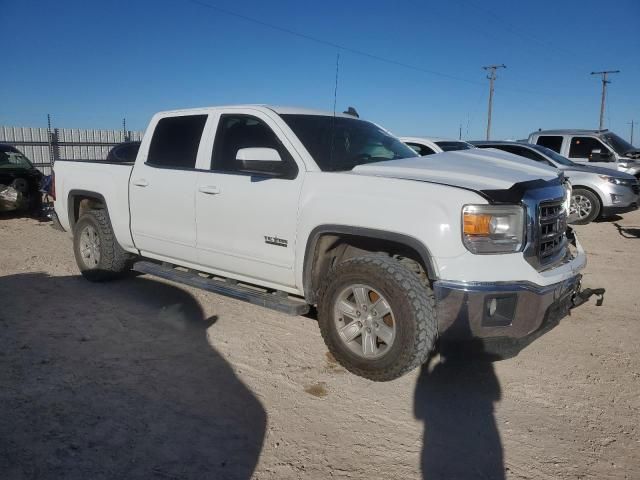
x=327, y=243
x=79, y=201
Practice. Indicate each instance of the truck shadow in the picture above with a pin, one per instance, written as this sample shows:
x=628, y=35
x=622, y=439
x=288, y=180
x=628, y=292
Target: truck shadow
x=455, y=399
x=117, y=381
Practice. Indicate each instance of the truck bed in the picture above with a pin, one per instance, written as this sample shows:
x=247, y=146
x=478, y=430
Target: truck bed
x=110, y=180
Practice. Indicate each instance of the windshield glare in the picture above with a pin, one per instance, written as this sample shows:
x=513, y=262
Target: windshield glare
x=451, y=146
x=9, y=159
x=340, y=144
x=619, y=145
x=556, y=157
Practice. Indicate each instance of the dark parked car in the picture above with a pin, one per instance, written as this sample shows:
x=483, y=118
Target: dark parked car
x=19, y=182
x=124, y=152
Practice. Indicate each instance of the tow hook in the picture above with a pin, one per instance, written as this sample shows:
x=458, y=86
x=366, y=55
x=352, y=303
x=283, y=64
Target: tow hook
x=584, y=295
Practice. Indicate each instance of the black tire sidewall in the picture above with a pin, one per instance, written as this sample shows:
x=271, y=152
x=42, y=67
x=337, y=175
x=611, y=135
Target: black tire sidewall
x=394, y=362
x=595, y=203
x=85, y=220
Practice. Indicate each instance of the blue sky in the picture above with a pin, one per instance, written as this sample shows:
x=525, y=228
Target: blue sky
x=91, y=63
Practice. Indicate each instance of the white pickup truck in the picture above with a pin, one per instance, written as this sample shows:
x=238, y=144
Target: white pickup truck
x=288, y=208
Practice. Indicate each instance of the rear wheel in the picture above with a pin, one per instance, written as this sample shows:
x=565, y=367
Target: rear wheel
x=98, y=254
x=585, y=206
x=377, y=317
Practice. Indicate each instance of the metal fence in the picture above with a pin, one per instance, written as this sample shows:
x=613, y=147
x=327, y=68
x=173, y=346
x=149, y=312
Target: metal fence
x=43, y=146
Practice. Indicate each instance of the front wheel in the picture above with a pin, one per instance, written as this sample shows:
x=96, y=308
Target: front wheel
x=377, y=317
x=585, y=206
x=98, y=254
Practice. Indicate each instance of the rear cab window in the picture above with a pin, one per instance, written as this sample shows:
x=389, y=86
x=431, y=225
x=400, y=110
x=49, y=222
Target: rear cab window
x=175, y=142
x=553, y=142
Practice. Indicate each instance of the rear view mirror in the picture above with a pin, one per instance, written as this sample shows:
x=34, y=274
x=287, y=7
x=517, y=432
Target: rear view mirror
x=258, y=154
x=598, y=155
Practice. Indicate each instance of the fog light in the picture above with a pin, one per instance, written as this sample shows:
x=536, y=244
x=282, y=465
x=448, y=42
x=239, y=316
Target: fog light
x=493, y=305
x=616, y=198
x=499, y=310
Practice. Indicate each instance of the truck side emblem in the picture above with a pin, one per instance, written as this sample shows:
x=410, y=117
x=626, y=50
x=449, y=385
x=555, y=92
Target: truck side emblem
x=280, y=242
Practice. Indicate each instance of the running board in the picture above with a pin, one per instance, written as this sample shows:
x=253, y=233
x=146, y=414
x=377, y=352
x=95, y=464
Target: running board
x=275, y=300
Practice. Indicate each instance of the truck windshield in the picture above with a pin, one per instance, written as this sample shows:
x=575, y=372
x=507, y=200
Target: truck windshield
x=555, y=156
x=619, y=145
x=12, y=159
x=340, y=144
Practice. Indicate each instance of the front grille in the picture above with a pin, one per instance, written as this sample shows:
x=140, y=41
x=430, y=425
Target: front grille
x=552, y=227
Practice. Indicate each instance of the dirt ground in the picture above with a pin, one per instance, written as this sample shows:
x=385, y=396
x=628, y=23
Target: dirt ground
x=142, y=378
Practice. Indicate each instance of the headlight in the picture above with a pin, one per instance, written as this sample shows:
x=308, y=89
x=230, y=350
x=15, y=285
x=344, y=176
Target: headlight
x=490, y=229
x=568, y=192
x=614, y=180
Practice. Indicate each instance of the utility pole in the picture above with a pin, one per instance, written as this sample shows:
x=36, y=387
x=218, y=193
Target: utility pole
x=632, y=123
x=492, y=78
x=460, y=133
x=604, y=92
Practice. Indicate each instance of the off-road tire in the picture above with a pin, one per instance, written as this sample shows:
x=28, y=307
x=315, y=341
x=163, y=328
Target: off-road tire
x=413, y=306
x=114, y=261
x=595, y=206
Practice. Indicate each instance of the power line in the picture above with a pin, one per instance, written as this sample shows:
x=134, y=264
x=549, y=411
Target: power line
x=517, y=31
x=330, y=43
x=355, y=51
x=604, y=92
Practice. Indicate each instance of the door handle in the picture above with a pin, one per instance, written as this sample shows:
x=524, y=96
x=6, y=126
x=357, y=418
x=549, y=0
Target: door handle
x=140, y=182
x=209, y=189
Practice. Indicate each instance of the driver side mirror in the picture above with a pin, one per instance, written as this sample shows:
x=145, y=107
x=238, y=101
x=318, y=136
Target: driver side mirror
x=258, y=154
x=597, y=155
x=264, y=162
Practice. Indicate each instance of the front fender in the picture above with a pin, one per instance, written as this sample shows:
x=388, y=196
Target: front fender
x=425, y=216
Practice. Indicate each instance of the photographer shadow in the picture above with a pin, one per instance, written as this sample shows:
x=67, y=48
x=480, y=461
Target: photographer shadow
x=455, y=397
x=118, y=380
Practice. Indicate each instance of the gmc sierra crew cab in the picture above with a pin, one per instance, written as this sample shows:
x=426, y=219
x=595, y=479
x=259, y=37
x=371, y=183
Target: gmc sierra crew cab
x=287, y=208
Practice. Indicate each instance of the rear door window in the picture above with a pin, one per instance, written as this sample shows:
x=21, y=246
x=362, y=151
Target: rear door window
x=175, y=142
x=554, y=142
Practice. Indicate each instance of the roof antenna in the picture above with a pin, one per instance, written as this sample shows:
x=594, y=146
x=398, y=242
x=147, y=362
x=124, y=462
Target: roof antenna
x=335, y=89
x=333, y=121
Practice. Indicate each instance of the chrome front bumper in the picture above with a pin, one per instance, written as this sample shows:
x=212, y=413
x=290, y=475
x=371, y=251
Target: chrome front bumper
x=504, y=316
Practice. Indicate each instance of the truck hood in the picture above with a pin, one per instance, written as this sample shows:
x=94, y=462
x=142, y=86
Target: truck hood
x=634, y=154
x=475, y=169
